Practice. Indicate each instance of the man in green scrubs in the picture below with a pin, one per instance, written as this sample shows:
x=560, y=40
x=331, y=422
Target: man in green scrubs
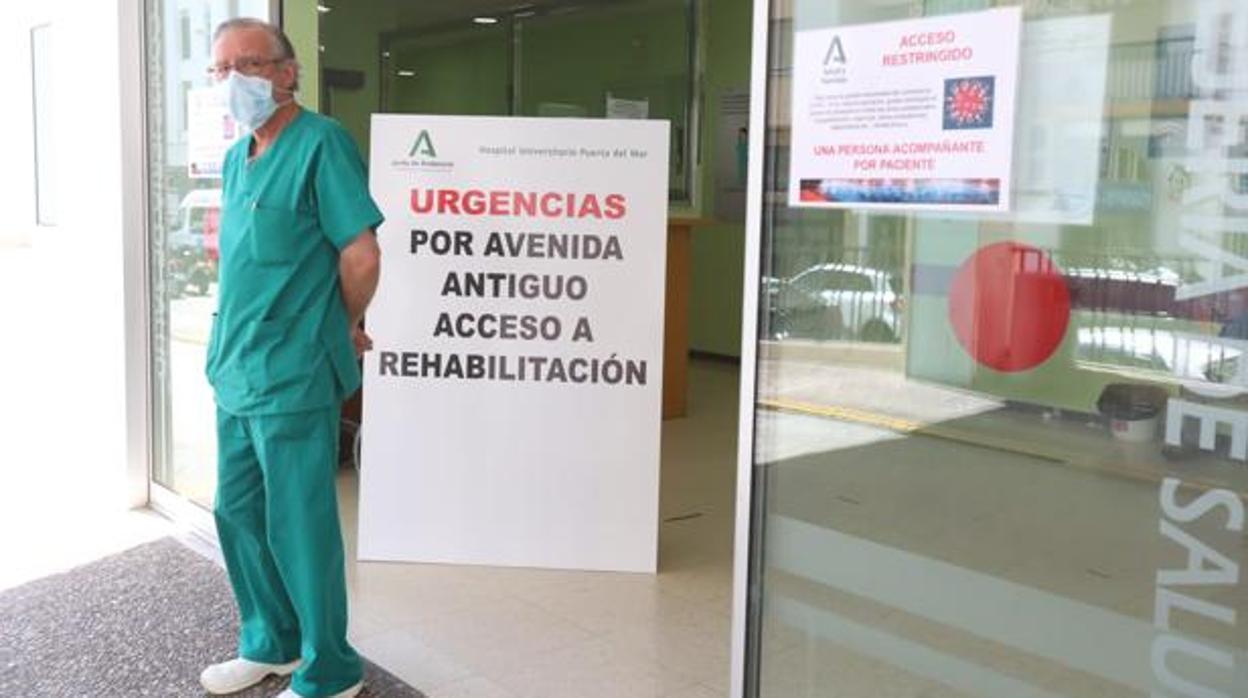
x=299, y=264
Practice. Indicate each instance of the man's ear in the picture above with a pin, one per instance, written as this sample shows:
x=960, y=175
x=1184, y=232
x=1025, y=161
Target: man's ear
x=290, y=73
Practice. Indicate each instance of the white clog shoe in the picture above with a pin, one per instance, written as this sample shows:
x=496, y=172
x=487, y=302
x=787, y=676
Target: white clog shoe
x=239, y=673
x=349, y=693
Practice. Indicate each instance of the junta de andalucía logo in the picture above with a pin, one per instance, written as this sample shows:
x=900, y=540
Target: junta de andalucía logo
x=423, y=146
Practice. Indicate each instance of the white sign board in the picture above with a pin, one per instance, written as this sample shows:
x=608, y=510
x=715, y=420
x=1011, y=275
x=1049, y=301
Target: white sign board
x=513, y=399
x=210, y=131
x=917, y=114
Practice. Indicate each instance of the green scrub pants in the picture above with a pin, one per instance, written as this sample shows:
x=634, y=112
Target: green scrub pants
x=277, y=518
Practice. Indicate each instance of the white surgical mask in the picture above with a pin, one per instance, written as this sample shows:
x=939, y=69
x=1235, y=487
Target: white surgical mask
x=250, y=99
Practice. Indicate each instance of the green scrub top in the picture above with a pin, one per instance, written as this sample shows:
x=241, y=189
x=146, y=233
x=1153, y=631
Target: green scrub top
x=280, y=340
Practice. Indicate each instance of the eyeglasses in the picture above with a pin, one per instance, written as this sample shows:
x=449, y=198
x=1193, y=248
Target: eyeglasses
x=242, y=66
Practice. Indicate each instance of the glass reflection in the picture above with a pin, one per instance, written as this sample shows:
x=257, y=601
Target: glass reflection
x=1027, y=477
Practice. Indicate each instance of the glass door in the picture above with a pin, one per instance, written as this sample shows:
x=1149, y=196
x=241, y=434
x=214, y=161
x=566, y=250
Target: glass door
x=635, y=59
x=1001, y=445
x=186, y=131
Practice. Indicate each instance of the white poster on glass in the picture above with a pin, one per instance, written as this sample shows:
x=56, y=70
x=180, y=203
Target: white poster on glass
x=210, y=131
x=513, y=399
x=916, y=114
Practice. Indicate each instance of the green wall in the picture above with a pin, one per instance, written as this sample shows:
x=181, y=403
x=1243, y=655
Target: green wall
x=631, y=54
x=351, y=35
x=719, y=249
x=464, y=74
x=299, y=20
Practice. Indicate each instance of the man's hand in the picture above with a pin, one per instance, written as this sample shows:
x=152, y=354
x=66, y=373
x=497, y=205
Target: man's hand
x=361, y=340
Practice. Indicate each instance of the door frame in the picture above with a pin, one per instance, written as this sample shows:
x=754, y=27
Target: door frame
x=135, y=255
x=745, y=594
x=141, y=487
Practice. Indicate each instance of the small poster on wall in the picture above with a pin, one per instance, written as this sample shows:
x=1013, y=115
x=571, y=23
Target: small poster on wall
x=732, y=148
x=627, y=108
x=917, y=114
x=210, y=131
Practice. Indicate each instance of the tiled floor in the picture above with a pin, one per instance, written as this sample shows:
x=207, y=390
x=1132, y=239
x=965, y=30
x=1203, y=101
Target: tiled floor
x=475, y=632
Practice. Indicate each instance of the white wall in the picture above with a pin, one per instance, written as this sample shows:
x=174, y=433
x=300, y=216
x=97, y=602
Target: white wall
x=17, y=215
x=70, y=303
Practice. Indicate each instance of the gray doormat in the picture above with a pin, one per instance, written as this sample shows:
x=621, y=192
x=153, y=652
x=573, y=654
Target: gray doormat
x=144, y=622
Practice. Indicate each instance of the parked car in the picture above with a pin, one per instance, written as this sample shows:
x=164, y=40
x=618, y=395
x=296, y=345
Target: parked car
x=842, y=301
x=194, y=247
x=1206, y=364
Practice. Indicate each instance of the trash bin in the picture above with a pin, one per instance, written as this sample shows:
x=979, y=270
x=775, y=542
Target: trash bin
x=1132, y=410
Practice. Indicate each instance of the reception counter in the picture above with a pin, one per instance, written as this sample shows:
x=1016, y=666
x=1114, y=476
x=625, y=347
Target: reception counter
x=676, y=316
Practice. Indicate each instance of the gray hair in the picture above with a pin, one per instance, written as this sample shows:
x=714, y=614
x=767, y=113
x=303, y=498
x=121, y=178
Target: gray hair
x=282, y=48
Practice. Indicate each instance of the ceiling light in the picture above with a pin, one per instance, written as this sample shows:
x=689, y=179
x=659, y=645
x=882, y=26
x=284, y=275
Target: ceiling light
x=323, y=8
x=406, y=73
x=485, y=20
x=385, y=54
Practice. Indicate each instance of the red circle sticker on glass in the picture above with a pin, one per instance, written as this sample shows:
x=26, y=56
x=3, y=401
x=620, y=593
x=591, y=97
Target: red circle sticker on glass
x=1009, y=306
